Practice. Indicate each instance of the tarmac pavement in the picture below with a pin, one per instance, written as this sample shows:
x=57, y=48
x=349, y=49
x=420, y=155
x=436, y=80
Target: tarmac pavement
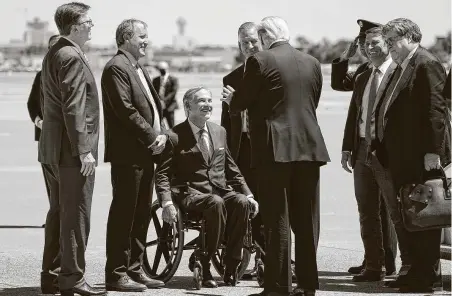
x=23, y=206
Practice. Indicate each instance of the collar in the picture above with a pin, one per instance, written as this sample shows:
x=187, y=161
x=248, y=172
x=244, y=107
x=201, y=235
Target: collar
x=384, y=67
x=408, y=58
x=277, y=40
x=73, y=43
x=196, y=129
x=132, y=60
x=165, y=77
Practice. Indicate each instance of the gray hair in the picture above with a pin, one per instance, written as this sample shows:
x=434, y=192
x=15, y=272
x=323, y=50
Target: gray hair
x=275, y=28
x=125, y=30
x=190, y=95
x=404, y=27
x=247, y=26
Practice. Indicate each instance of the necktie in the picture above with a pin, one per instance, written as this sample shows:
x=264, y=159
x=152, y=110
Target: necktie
x=156, y=124
x=204, y=144
x=162, y=87
x=371, y=102
x=387, y=97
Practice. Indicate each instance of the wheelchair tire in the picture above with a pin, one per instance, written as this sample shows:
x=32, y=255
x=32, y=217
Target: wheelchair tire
x=169, y=243
x=217, y=262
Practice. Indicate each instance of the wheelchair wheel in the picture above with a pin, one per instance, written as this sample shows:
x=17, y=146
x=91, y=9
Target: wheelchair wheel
x=260, y=273
x=218, y=262
x=163, y=239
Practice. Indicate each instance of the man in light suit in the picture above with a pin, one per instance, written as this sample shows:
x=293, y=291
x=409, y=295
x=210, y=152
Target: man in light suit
x=359, y=134
x=68, y=149
x=167, y=86
x=198, y=174
x=134, y=135
x=236, y=126
x=342, y=79
x=413, y=132
x=281, y=90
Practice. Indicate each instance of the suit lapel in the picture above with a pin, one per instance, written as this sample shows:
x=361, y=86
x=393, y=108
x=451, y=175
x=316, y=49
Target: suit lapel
x=80, y=53
x=152, y=89
x=191, y=141
x=214, y=135
x=384, y=83
x=404, y=79
x=362, y=86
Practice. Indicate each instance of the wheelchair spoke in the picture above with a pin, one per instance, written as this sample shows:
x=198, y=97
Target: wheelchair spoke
x=158, y=256
x=151, y=243
x=158, y=227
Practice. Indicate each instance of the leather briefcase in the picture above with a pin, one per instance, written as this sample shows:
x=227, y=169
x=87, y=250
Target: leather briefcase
x=428, y=205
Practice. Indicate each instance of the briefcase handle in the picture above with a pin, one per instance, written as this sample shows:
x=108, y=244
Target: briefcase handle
x=438, y=174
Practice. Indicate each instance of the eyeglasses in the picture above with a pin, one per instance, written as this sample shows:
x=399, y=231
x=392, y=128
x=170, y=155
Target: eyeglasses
x=89, y=22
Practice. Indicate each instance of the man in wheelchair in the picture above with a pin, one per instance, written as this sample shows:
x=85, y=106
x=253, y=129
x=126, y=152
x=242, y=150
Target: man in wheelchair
x=198, y=174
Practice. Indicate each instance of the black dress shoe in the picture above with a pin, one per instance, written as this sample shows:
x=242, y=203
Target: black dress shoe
x=142, y=278
x=356, y=269
x=207, y=279
x=251, y=274
x=390, y=269
x=416, y=289
x=125, y=284
x=369, y=276
x=230, y=276
x=83, y=289
x=49, y=283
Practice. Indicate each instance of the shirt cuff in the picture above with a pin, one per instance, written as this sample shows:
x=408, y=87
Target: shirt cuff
x=250, y=196
x=37, y=118
x=166, y=203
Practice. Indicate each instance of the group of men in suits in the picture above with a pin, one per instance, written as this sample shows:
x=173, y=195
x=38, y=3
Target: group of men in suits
x=276, y=101
x=397, y=129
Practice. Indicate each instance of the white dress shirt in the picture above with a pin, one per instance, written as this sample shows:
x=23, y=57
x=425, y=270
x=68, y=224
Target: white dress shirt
x=156, y=124
x=365, y=100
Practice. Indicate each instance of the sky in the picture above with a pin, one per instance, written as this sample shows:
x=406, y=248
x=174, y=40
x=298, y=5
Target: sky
x=216, y=22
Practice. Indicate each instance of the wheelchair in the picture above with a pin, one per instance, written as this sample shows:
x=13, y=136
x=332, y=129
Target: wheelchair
x=163, y=252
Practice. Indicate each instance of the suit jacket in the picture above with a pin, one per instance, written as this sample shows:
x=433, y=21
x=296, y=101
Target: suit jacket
x=232, y=122
x=70, y=105
x=281, y=90
x=341, y=78
x=128, y=113
x=183, y=170
x=416, y=120
x=171, y=88
x=34, y=103
x=350, y=141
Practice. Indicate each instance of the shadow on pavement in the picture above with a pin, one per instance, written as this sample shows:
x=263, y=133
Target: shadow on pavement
x=20, y=291
x=342, y=282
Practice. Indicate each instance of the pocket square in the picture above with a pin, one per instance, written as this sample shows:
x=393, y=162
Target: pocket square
x=221, y=148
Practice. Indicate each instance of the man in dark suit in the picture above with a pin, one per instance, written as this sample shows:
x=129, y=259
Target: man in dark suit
x=343, y=80
x=68, y=149
x=358, y=135
x=133, y=138
x=281, y=90
x=413, y=132
x=199, y=174
x=35, y=111
x=167, y=86
x=237, y=129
